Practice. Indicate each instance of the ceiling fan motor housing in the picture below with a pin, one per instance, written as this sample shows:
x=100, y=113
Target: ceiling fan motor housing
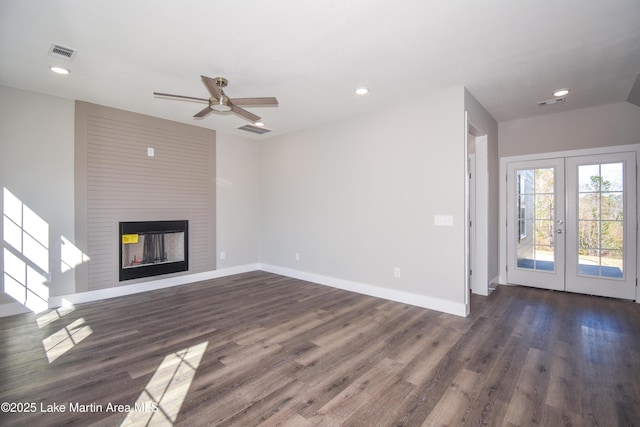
x=221, y=81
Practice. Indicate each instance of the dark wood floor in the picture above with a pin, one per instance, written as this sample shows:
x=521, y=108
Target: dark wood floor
x=262, y=349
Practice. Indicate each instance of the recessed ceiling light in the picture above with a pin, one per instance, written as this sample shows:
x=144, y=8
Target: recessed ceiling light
x=59, y=70
x=362, y=91
x=561, y=92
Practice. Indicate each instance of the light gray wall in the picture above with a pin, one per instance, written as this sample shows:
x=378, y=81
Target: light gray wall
x=36, y=165
x=602, y=126
x=357, y=198
x=238, y=200
x=481, y=119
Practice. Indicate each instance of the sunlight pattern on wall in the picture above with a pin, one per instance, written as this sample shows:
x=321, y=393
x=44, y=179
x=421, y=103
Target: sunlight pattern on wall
x=26, y=260
x=70, y=255
x=167, y=388
x=26, y=231
x=24, y=284
x=26, y=272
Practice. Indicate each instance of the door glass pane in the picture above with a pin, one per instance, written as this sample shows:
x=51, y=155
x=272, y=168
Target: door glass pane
x=612, y=175
x=536, y=219
x=585, y=172
x=600, y=220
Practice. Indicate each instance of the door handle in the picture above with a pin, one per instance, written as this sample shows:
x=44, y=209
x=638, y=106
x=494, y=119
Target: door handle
x=559, y=231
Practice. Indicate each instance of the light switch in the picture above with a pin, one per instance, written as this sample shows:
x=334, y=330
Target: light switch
x=151, y=152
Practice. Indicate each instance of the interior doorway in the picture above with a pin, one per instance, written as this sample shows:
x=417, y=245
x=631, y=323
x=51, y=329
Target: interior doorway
x=478, y=211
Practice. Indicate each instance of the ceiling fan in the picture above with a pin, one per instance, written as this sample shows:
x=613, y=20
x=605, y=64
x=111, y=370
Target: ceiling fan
x=220, y=102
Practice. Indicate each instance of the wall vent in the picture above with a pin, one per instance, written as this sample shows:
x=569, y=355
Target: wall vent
x=254, y=129
x=62, y=52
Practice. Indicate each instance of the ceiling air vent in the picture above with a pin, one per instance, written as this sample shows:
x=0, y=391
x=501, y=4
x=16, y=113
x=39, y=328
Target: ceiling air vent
x=551, y=102
x=254, y=129
x=62, y=52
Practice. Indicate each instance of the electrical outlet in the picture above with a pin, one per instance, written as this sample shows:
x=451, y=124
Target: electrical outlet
x=223, y=255
x=297, y=256
x=443, y=220
x=396, y=272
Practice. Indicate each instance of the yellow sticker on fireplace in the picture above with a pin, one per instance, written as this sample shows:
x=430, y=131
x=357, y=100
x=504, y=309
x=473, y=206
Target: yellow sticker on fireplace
x=129, y=238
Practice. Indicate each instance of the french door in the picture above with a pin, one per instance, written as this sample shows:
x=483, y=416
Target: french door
x=535, y=223
x=571, y=224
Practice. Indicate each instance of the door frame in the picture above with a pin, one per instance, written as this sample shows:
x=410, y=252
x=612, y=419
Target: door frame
x=477, y=211
x=541, y=156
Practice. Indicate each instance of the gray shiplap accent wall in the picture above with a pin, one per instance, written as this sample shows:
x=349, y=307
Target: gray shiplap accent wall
x=117, y=181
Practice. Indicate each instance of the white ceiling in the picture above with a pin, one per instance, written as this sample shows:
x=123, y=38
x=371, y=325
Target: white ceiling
x=312, y=55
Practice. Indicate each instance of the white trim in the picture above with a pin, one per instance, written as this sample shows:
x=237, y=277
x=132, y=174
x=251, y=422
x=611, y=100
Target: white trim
x=13, y=308
x=468, y=251
x=445, y=306
x=493, y=283
x=481, y=226
x=152, y=285
x=572, y=153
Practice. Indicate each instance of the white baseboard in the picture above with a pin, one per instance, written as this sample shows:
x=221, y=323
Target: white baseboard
x=135, y=288
x=493, y=284
x=458, y=309
x=13, y=308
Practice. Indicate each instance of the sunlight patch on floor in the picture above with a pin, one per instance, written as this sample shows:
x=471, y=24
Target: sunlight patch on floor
x=65, y=339
x=54, y=315
x=167, y=388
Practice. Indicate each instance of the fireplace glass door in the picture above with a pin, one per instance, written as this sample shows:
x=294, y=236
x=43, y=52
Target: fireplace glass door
x=152, y=248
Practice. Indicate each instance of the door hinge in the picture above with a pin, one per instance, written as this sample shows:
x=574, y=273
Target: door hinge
x=506, y=268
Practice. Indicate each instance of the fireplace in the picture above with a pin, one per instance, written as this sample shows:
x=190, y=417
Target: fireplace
x=152, y=248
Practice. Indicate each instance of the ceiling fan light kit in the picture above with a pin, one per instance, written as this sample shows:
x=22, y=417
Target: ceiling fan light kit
x=221, y=103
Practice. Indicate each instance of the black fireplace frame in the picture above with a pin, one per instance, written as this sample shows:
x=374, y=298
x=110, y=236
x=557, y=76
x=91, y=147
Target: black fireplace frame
x=150, y=227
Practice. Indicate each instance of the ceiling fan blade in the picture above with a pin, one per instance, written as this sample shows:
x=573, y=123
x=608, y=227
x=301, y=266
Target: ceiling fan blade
x=203, y=112
x=186, y=98
x=212, y=87
x=244, y=113
x=256, y=102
